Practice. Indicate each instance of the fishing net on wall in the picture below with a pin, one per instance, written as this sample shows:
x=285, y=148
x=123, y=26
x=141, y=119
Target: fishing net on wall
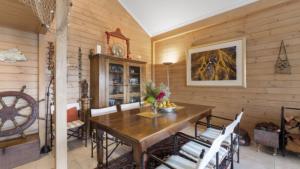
x=43, y=9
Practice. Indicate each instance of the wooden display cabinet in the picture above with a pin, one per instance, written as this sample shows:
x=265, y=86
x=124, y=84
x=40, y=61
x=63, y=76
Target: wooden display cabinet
x=115, y=80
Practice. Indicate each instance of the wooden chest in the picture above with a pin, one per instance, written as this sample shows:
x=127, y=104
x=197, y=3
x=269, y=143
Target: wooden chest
x=19, y=151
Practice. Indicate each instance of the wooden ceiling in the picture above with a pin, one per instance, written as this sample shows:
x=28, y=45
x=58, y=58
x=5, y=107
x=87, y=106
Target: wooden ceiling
x=15, y=14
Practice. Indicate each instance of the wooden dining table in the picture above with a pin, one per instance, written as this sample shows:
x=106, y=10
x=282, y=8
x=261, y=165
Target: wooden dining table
x=142, y=132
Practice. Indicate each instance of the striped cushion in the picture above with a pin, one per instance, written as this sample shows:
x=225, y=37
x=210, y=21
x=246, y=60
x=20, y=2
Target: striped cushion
x=210, y=134
x=74, y=124
x=178, y=163
x=193, y=150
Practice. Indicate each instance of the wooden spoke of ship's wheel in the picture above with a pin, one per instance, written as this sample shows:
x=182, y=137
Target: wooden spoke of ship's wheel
x=2, y=102
x=18, y=127
x=15, y=101
x=15, y=123
x=22, y=115
x=18, y=97
x=23, y=107
x=1, y=125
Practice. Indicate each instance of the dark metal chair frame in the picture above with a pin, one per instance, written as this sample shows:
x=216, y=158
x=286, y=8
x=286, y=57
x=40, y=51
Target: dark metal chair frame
x=209, y=125
x=79, y=132
x=176, y=152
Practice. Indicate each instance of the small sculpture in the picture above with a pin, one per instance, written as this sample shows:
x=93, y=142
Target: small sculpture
x=84, y=89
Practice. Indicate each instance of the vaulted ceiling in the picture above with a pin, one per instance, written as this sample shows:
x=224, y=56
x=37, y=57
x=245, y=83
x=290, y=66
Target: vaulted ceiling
x=160, y=16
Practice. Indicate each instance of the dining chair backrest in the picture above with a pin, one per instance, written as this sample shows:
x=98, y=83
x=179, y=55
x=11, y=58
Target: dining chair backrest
x=210, y=154
x=239, y=117
x=103, y=111
x=130, y=106
x=230, y=128
x=71, y=105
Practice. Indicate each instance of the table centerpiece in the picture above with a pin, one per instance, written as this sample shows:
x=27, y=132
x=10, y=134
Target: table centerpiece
x=158, y=97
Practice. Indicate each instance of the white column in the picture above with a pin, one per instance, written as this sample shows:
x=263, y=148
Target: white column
x=41, y=85
x=61, y=159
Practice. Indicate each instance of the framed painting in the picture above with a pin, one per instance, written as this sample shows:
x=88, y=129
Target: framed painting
x=218, y=64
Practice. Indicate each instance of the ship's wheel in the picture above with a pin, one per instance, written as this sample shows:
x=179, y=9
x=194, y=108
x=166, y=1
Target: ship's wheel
x=12, y=112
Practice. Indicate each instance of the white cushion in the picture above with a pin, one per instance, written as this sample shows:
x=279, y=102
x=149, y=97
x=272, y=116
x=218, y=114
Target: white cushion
x=74, y=124
x=103, y=111
x=193, y=150
x=71, y=105
x=210, y=134
x=178, y=163
x=130, y=106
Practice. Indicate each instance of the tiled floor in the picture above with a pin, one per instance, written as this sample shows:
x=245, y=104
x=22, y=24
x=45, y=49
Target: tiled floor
x=79, y=158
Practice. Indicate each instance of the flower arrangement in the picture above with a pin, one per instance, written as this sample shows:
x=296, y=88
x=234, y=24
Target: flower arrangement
x=156, y=95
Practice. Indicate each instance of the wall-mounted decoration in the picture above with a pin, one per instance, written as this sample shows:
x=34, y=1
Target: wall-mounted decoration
x=12, y=55
x=16, y=118
x=116, y=46
x=218, y=64
x=282, y=65
x=79, y=65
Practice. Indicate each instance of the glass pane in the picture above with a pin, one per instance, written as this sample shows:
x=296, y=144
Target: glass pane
x=134, y=84
x=134, y=99
x=116, y=84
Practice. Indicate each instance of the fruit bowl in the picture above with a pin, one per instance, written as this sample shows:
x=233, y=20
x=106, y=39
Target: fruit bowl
x=168, y=109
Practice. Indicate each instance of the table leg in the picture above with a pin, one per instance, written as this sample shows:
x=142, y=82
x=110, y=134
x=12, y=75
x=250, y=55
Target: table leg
x=138, y=157
x=99, y=140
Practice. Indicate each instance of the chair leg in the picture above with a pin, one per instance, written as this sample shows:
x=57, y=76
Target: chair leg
x=196, y=132
x=232, y=151
x=106, y=151
x=92, y=145
x=238, y=155
x=86, y=136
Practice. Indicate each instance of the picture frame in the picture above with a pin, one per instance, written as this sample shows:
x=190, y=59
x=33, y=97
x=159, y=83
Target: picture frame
x=217, y=64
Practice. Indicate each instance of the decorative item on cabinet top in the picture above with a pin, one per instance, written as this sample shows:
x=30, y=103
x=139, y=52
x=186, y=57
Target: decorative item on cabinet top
x=116, y=45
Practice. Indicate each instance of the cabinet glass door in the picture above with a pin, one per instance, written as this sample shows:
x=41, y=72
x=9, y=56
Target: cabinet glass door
x=116, y=84
x=134, y=84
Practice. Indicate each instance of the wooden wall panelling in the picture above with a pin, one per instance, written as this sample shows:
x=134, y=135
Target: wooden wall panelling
x=87, y=27
x=14, y=75
x=265, y=91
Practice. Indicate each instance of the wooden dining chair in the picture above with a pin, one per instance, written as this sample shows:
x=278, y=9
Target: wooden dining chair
x=100, y=112
x=212, y=131
x=75, y=124
x=206, y=155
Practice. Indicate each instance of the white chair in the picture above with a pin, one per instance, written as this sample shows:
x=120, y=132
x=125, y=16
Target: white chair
x=206, y=156
x=103, y=111
x=212, y=131
x=130, y=106
x=76, y=128
x=100, y=112
x=193, y=149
